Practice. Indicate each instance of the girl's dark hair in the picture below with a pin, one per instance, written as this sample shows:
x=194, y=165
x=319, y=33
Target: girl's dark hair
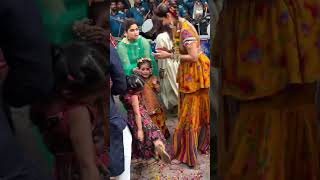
x=80, y=68
x=162, y=10
x=128, y=23
x=158, y=27
x=135, y=83
x=144, y=61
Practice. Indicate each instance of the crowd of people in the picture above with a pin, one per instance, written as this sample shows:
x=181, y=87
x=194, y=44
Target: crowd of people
x=172, y=77
x=142, y=10
x=58, y=58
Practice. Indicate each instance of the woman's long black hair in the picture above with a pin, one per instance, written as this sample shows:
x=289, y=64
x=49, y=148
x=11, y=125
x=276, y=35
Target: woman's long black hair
x=159, y=28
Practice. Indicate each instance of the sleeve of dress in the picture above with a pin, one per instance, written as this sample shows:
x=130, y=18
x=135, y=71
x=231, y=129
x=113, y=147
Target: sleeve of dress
x=160, y=42
x=148, y=53
x=124, y=58
x=188, y=37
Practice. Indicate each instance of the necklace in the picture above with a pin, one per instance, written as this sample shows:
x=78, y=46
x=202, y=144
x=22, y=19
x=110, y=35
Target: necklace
x=176, y=41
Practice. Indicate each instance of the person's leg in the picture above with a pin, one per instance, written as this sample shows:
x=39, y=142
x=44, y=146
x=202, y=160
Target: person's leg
x=15, y=166
x=127, y=141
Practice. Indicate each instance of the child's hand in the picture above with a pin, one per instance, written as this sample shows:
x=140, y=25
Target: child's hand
x=154, y=81
x=140, y=135
x=157, y=87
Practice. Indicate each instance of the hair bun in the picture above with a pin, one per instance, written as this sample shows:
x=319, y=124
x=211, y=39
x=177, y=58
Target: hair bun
x=162, y=10
x=167, y=7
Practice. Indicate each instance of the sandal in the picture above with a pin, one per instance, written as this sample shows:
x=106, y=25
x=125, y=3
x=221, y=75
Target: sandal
x=163, y=154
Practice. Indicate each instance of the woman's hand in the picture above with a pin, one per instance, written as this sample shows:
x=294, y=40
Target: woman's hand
x=140, y=135
x=137, y=71
x=154, y=81
x=160, y=54
x=156, y=84
x=157, y=87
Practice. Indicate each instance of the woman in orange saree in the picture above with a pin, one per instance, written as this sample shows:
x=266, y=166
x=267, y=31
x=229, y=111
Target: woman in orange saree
x=193, y=130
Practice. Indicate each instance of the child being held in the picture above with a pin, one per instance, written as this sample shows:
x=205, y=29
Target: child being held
x=149, y=96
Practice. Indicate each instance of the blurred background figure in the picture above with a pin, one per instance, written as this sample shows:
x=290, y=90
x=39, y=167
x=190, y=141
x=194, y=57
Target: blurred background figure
x=117, y=17
x=139, y=11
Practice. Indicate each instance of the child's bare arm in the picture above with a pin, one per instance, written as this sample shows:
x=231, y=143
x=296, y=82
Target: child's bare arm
x=137, y=115
x=82, y=141
x=135, y=105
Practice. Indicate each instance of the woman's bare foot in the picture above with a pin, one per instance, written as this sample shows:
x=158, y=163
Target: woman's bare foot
x=160, y=149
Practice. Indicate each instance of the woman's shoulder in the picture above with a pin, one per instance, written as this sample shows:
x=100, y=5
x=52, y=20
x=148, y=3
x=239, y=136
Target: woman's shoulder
x=188, y=27
x=143, y=39
x=185, y=23
x=123, y=42
x=120, y=44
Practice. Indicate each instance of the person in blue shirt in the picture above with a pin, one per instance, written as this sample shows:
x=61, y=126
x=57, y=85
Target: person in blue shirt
x=120, y=135
x=116, y=19
x=123, y=5
x=189, y=4
x=183, y=12
x=139, y=11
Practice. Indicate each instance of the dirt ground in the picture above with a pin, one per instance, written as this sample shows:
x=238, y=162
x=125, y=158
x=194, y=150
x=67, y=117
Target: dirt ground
x=157, y=170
